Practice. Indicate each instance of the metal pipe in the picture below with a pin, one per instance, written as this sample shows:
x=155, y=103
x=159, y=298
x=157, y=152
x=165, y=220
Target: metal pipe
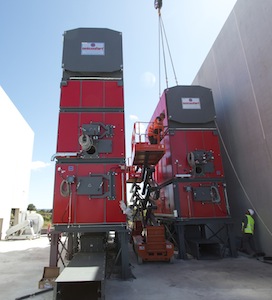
x=122, y=184
x=227, y=199
x=63, y=154
x=70, y=206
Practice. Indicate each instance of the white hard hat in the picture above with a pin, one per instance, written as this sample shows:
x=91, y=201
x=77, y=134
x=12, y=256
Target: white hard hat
x=251, y=211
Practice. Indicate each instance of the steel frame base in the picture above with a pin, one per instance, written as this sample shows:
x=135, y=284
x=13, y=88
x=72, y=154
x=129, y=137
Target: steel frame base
x=119, y=229
x=176, y=229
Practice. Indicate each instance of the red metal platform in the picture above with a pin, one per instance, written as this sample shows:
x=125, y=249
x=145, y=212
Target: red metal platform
x=147, y=154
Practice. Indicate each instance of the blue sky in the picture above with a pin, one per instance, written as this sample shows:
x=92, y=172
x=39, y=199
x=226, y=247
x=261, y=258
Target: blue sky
x=31, y=54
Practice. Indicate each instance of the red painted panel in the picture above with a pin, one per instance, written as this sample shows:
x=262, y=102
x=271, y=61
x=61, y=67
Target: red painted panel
x=114, y=94
x=115, y=119
x=79, y=209
x=118, y=139
x=70, y=94
x=211, y=142
x=165, y=204
x=178, y=144
x=93, y=93
x=189, y=208
x=69, y=131
x=62, y=206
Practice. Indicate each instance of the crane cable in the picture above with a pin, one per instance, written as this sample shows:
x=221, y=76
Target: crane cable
x=162, y=36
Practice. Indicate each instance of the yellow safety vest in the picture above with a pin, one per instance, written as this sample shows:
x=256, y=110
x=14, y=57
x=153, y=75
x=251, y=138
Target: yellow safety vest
x=250, y=225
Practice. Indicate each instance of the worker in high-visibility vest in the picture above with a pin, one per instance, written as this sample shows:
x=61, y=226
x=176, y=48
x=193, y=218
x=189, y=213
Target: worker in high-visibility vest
x=248, y=224
x=155, y=129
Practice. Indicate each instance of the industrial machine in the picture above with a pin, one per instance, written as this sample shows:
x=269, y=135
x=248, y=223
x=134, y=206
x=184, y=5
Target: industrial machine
x=179, y=197
x=29, y=227
x=90, y=162
x=188, y=172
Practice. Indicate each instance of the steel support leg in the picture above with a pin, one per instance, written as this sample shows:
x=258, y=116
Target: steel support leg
x=54, y=246
x=125, y=272
x=181, y=241
x=231, y=239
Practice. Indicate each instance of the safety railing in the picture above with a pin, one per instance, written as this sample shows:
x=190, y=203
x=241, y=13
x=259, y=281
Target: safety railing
x=140, y=134
x=146, y=149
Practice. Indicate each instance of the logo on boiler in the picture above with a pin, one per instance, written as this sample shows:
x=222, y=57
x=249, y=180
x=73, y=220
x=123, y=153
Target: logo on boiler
x=92, y=48
x=190, y=103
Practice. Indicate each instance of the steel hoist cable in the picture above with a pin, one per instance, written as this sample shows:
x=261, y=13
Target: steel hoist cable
x=162, y=41
x=169, y=52
x=163, y=50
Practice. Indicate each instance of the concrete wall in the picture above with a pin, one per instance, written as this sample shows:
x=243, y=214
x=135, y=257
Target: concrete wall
x=16, y=149
x=238, y=69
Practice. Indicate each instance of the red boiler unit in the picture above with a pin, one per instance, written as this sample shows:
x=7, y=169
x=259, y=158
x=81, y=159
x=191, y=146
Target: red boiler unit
x=193, y=199
x=90, y=178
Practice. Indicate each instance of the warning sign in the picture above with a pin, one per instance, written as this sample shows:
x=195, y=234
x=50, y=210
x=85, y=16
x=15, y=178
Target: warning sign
x=190, y=103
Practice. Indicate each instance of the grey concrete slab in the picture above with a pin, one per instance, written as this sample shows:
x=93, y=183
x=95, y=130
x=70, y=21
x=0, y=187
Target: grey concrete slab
x=22, y=263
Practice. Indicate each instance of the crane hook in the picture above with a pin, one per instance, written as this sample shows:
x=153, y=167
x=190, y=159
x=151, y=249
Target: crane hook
x=158, y=6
